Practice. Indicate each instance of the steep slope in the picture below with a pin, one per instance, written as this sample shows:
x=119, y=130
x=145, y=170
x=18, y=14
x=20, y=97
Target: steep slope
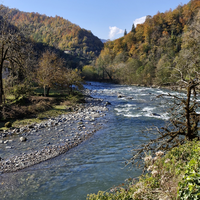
x=57, y=32
x=153, y=52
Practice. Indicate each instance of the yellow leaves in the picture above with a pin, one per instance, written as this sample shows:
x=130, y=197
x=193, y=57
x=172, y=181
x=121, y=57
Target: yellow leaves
x=165, y=33
x=49, y=69
x=139, y=32
x=88, y=67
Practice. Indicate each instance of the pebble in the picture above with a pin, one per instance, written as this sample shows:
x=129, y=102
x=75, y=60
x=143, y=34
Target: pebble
x=85, y=115
x=23, y=139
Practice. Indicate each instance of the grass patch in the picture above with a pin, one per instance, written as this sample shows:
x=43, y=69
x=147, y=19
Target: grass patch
x=41, y=116
x=60, y=107
x=55, y=111
x=34, y=109
x=24, y=122
x=52, y=93
x=10, y=97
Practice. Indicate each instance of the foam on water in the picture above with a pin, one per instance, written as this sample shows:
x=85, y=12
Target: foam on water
x=130, y=105
x=122, y=109
x=147, y=109
x=132, y=115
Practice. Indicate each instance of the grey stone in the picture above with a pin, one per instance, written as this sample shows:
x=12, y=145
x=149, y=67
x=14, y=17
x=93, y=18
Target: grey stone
x=155, y=114
x=120, y=95
x=23, y=139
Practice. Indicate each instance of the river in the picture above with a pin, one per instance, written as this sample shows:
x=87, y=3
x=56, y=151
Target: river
x=99, y=162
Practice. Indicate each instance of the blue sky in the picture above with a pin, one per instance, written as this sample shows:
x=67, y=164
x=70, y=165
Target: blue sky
x=107, y=19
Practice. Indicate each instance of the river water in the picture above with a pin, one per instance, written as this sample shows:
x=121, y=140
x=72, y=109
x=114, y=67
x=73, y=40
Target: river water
x=99, y=162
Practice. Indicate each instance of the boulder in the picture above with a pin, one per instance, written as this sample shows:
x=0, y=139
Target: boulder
x=155, y=114
x=120, y=95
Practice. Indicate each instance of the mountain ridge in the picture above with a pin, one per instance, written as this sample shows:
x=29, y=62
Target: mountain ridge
x=55, y=31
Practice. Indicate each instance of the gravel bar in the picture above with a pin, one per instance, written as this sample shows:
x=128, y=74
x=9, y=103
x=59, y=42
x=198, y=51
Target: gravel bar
x=36, y=143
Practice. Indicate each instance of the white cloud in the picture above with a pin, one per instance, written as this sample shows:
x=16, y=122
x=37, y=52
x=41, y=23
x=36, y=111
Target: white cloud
x=139, y=20
x=114, y=31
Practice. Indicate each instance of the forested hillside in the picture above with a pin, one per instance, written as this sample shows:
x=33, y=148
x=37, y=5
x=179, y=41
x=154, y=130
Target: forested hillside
x=30, y=60
x=56, y=32
x=156, y=52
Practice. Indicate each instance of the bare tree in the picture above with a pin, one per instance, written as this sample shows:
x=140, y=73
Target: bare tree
x=14, y=48
x=183, y=124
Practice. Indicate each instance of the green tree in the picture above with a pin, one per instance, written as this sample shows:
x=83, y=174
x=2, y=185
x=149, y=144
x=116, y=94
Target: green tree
x=163, y=71
x=133, y=28
x=89, y=72
x=69, y=78
x=104, y=63
x=73, y=78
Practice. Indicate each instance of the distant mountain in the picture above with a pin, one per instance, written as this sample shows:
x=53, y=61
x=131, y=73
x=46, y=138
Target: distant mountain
x=104, y=41
x=56, y=32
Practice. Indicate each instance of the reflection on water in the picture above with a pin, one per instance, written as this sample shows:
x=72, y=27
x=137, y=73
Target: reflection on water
x=98, y=163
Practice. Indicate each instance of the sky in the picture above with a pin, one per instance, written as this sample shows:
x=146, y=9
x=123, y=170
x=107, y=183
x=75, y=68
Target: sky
x=106, y=19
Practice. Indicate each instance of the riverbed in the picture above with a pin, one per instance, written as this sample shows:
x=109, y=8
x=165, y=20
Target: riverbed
x=97, y=163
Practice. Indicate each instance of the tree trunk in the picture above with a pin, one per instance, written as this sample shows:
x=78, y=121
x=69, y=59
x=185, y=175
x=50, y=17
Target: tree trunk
x=191, y=118
x=1, y=86
x=44, y=91
x=110, y=76
x=69, y=89
x=48, y=88
x=103, y=75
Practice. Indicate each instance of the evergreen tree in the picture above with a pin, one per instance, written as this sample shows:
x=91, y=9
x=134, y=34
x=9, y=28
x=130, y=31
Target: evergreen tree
x=125, y=32
x=133, y=28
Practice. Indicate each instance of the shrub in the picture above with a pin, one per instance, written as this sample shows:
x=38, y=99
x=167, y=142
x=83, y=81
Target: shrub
x=189, y=187
x=21, y=89
x=89, y=72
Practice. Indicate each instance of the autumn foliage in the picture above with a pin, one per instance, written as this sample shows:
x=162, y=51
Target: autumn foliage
x=56, y=32
x=149, y=53
x=52, y=73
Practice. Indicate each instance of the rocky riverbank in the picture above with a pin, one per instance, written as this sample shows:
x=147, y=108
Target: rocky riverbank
x=30, y=145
